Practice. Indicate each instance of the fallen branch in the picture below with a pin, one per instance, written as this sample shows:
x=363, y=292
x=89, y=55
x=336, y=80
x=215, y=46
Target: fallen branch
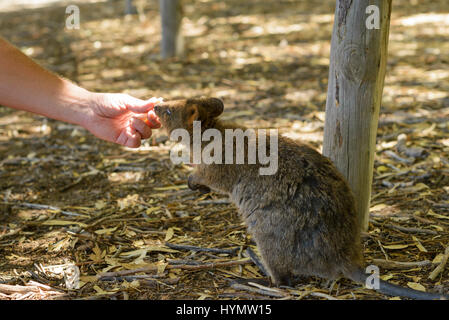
x=152, y=268
x=405, y=229
x=11, y=233
x=242, y=295
x=218, y=201
x=41, y=207
x=319, y=294
x=32, y=290
x=194, y=248
x=389, y=264
x=145, y=279
x=264, y=292
x=394, y=156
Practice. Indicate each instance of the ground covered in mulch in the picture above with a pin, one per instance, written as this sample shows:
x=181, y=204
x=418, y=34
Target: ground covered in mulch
x=126, y=219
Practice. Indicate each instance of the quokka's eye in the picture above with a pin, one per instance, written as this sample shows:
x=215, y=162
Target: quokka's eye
x=168, y=112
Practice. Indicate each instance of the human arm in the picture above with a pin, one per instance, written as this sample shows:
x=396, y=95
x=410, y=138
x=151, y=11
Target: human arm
x=113, y=117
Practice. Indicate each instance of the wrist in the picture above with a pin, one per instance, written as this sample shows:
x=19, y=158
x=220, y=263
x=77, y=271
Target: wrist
x=78, y=104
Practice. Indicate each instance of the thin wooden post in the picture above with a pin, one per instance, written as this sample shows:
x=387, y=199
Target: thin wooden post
x=356, y=77
x=172, y=43
x=129, y=7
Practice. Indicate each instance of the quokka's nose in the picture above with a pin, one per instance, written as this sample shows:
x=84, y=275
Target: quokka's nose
x=157, y=108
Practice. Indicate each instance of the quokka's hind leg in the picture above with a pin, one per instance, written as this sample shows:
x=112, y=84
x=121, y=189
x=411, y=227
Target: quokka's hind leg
x=279, y=275
x=194, y=185
x=281, y=278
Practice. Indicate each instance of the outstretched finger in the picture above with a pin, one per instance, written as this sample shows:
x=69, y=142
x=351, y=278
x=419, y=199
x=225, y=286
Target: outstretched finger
x=153, y=120
x=142, y=106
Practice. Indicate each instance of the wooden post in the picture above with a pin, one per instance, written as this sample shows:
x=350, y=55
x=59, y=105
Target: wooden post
x=356, y=77
x=172, y=43
x=129, y=7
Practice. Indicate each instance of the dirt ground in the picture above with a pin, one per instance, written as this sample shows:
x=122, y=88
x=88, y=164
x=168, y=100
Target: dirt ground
x=111, y=209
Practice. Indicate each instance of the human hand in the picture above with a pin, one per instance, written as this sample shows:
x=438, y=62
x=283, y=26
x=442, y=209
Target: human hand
x=121, y=118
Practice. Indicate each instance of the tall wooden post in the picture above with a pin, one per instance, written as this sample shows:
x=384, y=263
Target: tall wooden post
x=172, y=43
x=356, y=77
x=129, y=7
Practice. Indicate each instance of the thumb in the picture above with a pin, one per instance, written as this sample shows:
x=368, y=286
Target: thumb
x=142, y=106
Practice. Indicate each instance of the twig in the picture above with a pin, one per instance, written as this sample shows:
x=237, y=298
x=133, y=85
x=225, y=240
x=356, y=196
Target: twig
x=260, y=286
x=212, y=265
x=423, y=220
x=2, y=236
x=409, y=152
x=194, y=248
x=31, y=286
x=41, y=207
x=246, y=296
x=412, y=230
x=219, y=201
x=149, y=280
x=154, y=282
x=393, y=155
x=382, y=249
x=405, y=229
x=151, y=268
x=130, y=278
x=113, y=216
x=252, y=255
x=389, y=264
x=270, y=293
x=442, y=205
x=147, y=231
x=441, y=266
x=183, y=261
x=321, y=295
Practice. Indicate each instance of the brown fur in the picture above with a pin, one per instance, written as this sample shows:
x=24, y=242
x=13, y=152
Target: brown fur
x=303, y=218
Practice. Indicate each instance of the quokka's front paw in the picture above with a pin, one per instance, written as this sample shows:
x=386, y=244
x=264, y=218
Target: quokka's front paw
x=197, y=187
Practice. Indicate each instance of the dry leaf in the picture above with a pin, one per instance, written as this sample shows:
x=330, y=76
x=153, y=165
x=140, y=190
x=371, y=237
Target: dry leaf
x=416, y=188
x=105, y=231
x=100, y=204
x=97, y=255
x=419, y=245
x=101, y=291
x=438, y=258
x=378, y=207
x=152, y=209
x=416, y=286
x=439, y=228
x=161, y=267
x=386, y=277
x=431, y=213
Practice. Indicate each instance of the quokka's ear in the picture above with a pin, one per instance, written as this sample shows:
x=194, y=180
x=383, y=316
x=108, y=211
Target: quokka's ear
x=193, y=114
x=213, y=107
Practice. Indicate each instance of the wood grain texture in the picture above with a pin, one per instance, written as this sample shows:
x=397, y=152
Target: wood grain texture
x=356, y=78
